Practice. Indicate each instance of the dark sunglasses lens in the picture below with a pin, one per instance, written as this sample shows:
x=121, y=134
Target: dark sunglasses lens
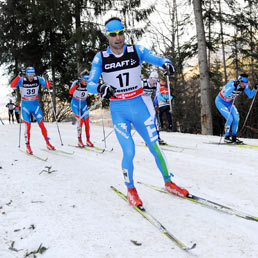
x=112, y=34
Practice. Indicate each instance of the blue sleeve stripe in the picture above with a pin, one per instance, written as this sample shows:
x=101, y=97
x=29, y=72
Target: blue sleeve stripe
x=95, y=73
x=147, y=56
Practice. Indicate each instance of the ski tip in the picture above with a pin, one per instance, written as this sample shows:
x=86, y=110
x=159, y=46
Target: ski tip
x=193, y=246
x=253, y=218
x=140, y=207
x=190, y=248
x=113, y=188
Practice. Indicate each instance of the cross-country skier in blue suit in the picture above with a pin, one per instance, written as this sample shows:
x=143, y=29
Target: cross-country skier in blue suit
x=29, y=85
x=225, y=104
x=120, y=67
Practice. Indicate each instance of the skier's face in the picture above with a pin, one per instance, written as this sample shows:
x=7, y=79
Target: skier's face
x=116, y=40
x=153, y=81
x=84, y=82
x=30, y=76
x=243, y=84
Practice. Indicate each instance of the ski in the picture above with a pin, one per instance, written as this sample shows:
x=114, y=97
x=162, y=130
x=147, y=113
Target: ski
x=246, y=145
x=34, y=156
x=155, y=222
x=163, y=147
x=101, y=149
x=243, y=145
x=174, y=146
x=59, y=151
x=207, y=203
x=88, y=148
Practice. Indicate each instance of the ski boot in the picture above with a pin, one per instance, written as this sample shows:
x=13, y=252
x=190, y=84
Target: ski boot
x=174, y=189
x=133, y=198
x=227, y=139
x=80, y=143
x=28, y=149
x=161, y=142
x=49, y=146
x=88, y=142
x=235, y=140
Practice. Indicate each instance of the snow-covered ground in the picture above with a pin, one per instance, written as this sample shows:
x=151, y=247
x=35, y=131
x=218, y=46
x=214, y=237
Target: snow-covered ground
x=74, y=213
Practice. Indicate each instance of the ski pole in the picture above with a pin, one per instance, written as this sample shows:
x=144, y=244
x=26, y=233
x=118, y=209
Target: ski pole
x=92, y=107
x=20, y=119
x=169, y=95
x=79, y=129
x=20, y=129
x=103, y=128
x=248, y=113
x=55, y=117
x=108, y=135
x=228, y=118
x=1, y=121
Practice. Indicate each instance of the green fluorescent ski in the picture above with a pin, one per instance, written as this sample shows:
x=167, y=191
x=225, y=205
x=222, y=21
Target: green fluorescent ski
x=34, y=156
x=155, y=222
x=207, y=203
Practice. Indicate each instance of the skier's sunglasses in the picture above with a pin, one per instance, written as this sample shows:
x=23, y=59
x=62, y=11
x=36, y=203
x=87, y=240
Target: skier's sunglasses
x=155, y=79
x=114, y=33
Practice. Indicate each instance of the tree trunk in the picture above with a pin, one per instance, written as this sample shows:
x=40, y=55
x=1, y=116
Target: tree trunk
x=251, y=43
x=53, y=85
x=173, y=37
x=206, y=112
x=236, y=55
x=78, y=36
x=209, y=36
x=17, y=90
x=222, y=44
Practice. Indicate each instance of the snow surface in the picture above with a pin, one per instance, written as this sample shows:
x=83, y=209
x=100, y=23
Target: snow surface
x=74, y=213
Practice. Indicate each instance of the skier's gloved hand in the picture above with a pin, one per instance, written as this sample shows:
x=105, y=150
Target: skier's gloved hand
x=169, y=68
x=45, y=75
x=149, y=86
x=236, y=83
x=106, y=91
x=22, y=73
x=256, y=86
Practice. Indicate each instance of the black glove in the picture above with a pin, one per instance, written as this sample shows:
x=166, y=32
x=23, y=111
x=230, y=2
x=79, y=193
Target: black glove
x=22, y=73
x=256, y=86
x=236, y=83
x=45, y=75
x=106, y=91
x=169, y=68
x=147, y=86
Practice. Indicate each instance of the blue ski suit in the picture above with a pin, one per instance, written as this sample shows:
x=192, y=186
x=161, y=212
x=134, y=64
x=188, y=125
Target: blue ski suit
x=225, y=104
x=128, y=108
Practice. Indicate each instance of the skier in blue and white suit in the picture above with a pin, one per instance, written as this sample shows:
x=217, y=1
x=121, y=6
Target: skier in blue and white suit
x=120, y=67
x=225, y=104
